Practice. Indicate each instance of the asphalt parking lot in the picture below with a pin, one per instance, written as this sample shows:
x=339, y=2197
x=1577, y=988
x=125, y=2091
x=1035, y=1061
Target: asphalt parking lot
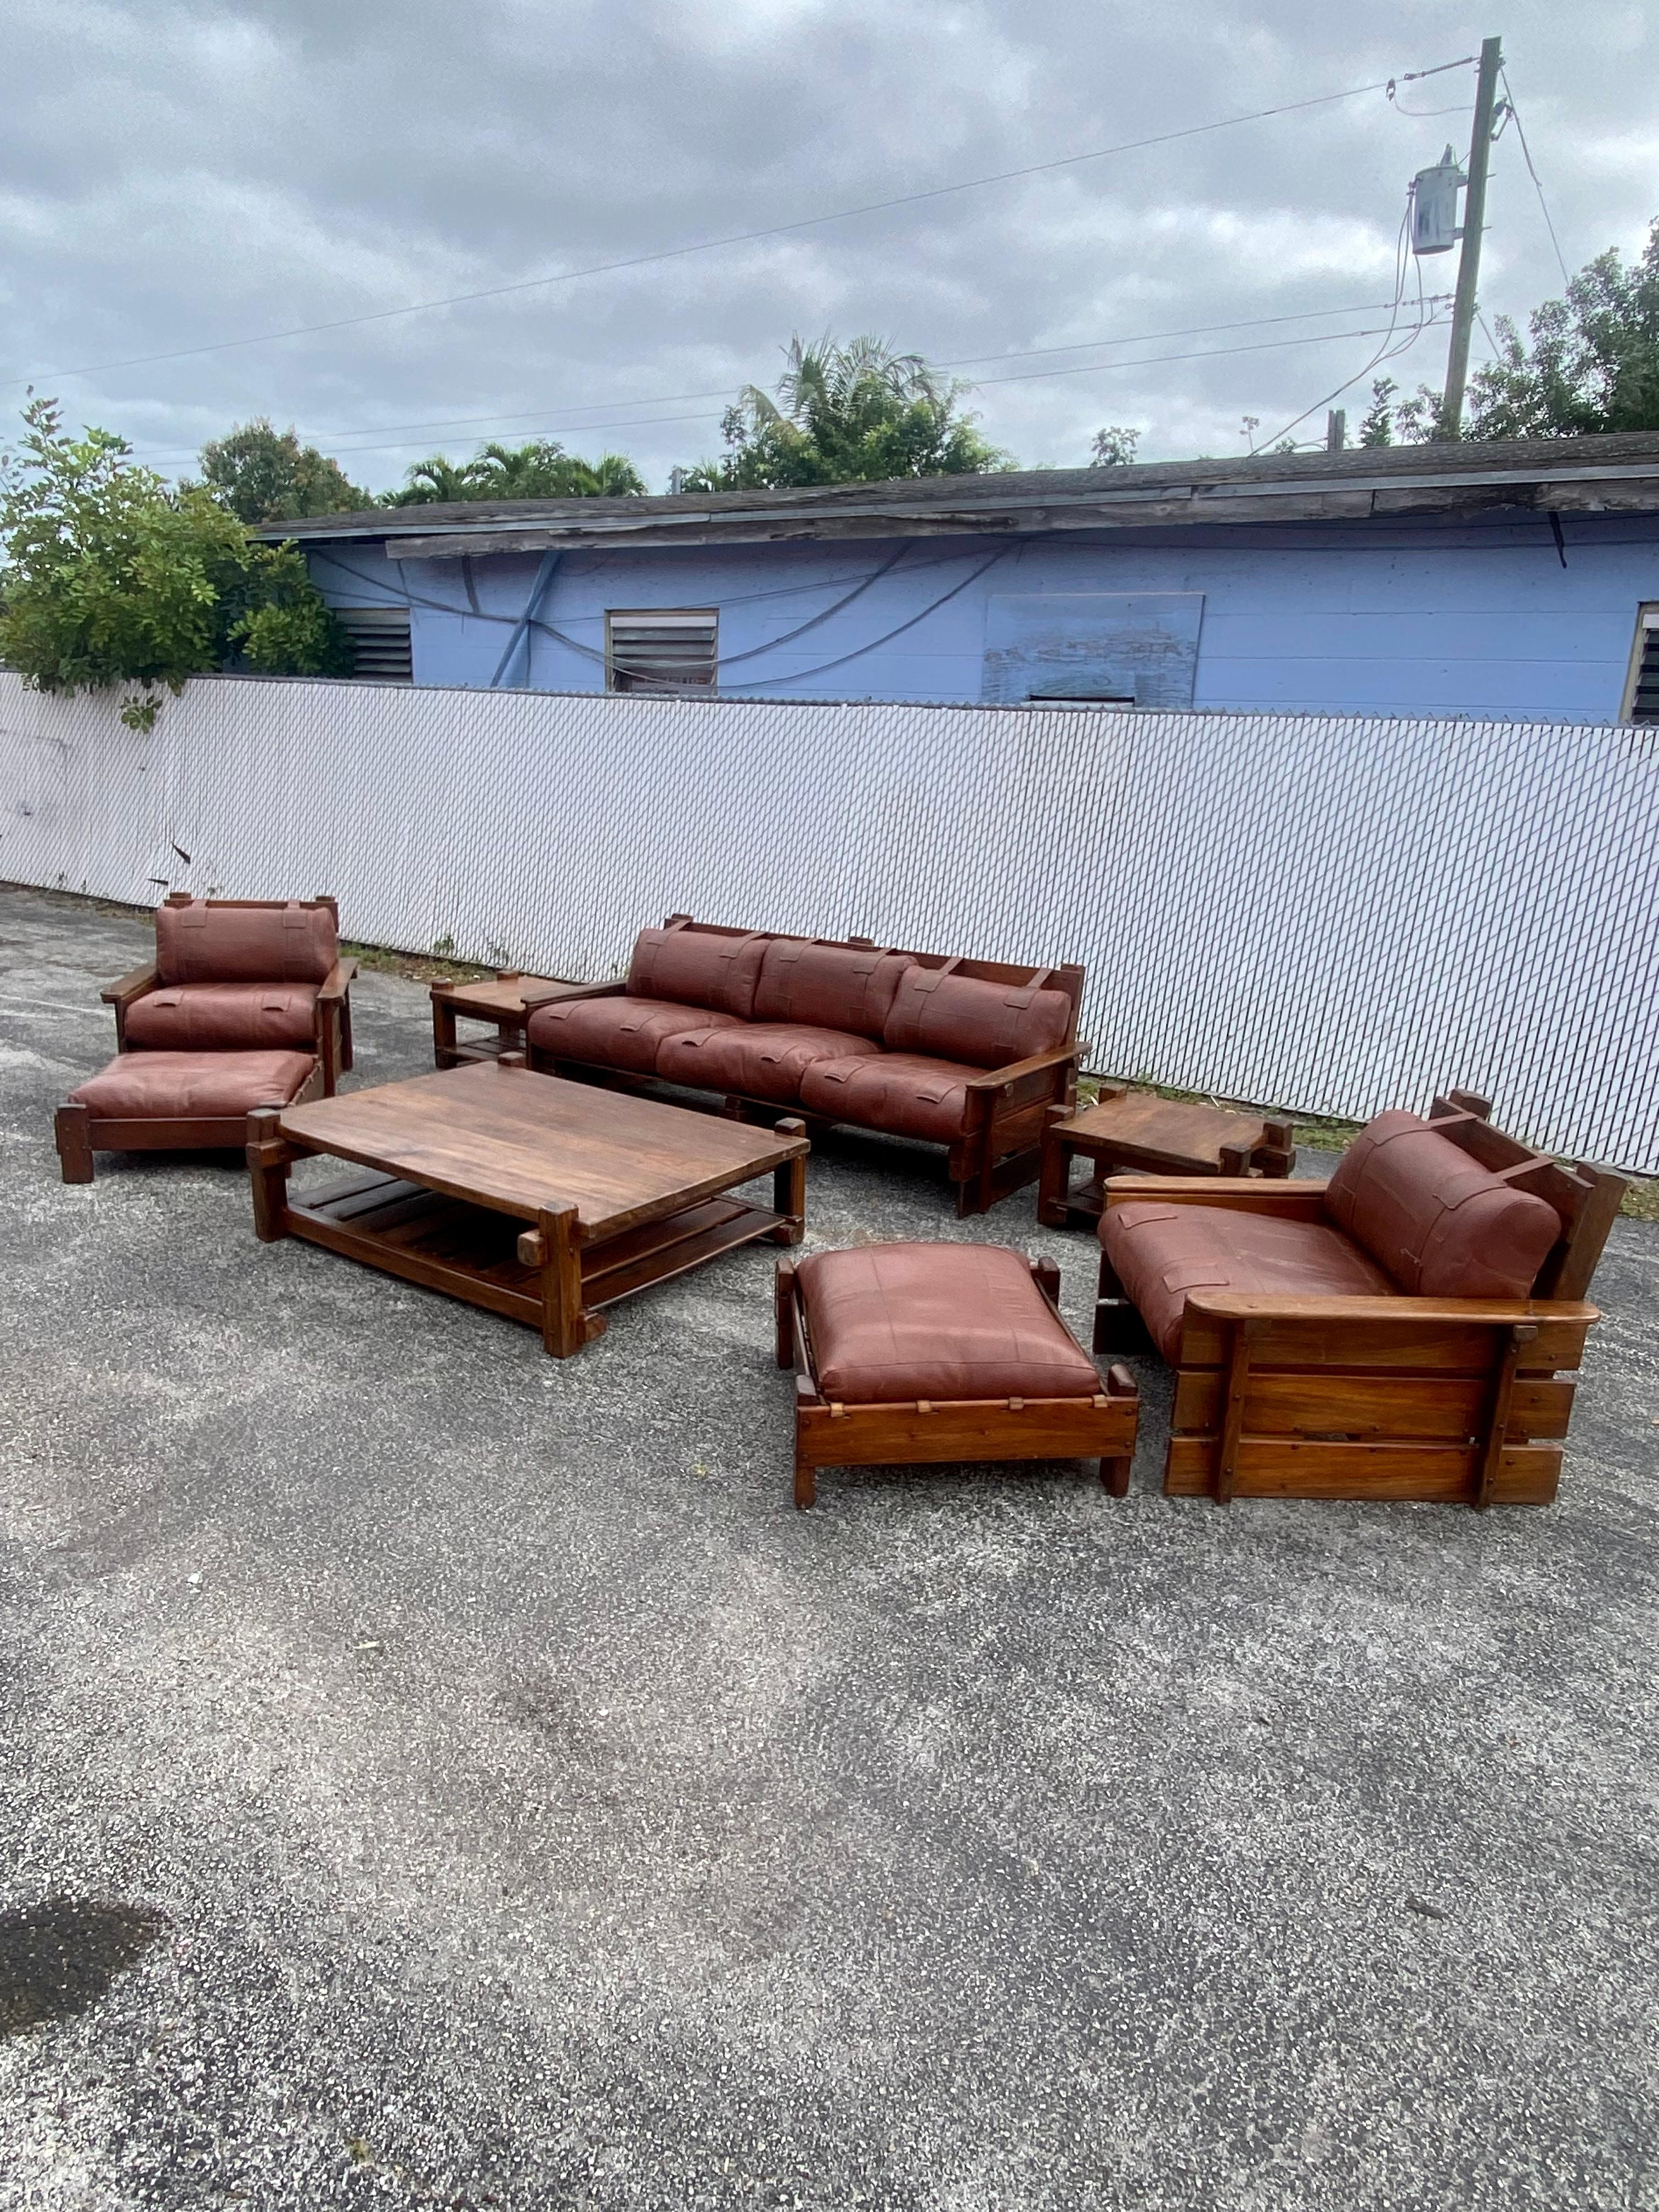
x=433, y=1774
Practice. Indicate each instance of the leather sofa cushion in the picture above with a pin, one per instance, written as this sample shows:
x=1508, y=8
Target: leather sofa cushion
x=165, y=1086
x=890, y=1323
x=223, y=1017
x=1163, y=1253
x=624, y=1033
x=1442, y=1225
x=203, y=943
x=828, y=987
x=759, y=1060
x=697, y=968
x=962, y=1017
x=903, y=1093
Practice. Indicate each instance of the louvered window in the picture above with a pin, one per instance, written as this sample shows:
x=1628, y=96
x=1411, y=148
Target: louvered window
x=1642, y=696
x=661, y=648
x=380, y=642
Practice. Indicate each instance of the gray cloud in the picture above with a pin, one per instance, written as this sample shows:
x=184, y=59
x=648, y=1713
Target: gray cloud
x=174, y=173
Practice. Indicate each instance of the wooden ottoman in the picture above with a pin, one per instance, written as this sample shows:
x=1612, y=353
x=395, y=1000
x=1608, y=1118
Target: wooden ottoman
x=149, y=1102
x=914, y=1354
x=1138, y=1132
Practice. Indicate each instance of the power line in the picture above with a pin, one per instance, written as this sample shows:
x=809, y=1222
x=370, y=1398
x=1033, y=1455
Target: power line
x=336, y=441
x=746, y=237
x=1526, y=152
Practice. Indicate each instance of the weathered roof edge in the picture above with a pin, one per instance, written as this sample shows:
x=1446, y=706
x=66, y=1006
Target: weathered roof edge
x=1613, y=473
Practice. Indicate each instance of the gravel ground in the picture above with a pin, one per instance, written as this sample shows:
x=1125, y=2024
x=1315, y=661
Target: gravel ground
x=435, y=1775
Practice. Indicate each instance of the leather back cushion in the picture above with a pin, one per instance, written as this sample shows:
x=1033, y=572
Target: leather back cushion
x=224, y=1018
x=696, y=968
x=827, y=986
x=205, y=944
x=945, y=1016
x=1442, y=1225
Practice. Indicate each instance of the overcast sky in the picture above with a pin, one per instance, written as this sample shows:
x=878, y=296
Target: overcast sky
x=176, y=174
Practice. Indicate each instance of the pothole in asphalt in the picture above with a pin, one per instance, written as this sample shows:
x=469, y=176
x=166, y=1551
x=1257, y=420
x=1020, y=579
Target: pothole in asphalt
x=58, y=1957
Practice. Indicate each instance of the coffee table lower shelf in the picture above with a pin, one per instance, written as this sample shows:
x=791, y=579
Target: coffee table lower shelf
x=490, y=1260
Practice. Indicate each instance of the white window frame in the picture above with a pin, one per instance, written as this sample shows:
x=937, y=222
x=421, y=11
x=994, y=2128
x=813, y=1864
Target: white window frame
x=1647, y=622
x=689, y=619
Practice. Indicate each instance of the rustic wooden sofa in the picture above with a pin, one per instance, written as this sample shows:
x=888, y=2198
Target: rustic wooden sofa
x=966, y=1054
x=245, y=1004
x=1397, y=1332
x=923, y=1355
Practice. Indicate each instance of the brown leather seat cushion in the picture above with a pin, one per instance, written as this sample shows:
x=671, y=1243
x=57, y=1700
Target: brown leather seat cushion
x=950, y=1017
x=1163, y=1253
x=827, y=986
x=890, y=1323
x=223, y=1017
x=623, y=1032
x=203, y=943
x=1442, y=1225
x=902, y=1092
x=697, y=968
x=167, y=1086
x=760, y=1059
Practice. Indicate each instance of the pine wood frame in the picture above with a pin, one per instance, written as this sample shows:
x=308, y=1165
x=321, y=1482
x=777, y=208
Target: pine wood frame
x=948, y=1432
x=1001, y=1148
x=1455, y=1400
x=79, y=1133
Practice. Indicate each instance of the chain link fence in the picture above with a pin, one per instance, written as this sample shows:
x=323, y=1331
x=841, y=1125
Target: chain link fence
x=1322, y=914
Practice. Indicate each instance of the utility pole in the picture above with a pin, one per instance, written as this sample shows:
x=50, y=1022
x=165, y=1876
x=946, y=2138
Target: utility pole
x=1469, y=262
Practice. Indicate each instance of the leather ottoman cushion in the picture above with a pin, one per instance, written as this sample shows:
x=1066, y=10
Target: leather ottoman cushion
x=1442, y=1225
x=206, y=944
x=698, y=968
x=902, y=1093
x=1163, y=1253
x=830, y=987
x=962, y=1017
x=224, y=1016
x=760, y=1059
x=625, y=1033
x=175, y=1086
x=891, y=1323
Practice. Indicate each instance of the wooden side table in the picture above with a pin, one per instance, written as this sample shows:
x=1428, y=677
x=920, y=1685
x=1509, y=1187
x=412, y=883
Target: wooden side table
x=1137, y=1131
x=496, y=1000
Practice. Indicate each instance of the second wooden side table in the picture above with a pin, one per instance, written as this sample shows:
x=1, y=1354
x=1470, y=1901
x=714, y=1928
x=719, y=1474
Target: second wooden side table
x=1136, y=1131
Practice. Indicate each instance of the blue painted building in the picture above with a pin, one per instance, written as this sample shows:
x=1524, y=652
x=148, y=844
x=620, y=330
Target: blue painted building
x=1487, y=580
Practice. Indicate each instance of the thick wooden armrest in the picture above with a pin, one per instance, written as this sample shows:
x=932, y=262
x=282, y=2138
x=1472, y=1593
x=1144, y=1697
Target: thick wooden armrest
x=1303, y=1200
x=133, y=985
x=538, y=994
x=1388, y=1312
x=996, y=1078
x=337, y=981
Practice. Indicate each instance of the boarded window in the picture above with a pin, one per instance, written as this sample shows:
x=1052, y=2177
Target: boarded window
x=1642, y=692
x=379, y=643
x=1102, y=648
x=661, y=648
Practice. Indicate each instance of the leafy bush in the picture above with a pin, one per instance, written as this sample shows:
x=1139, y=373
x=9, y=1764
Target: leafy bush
x=111, y=577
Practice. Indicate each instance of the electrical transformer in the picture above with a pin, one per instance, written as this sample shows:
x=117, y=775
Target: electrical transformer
x=1434, y=206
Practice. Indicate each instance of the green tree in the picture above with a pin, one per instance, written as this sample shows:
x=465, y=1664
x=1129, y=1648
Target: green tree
x=110, y=576
x=263, y=475
x=1115, y=447
x=847, y=414
x=540, y=469
x=1589, y=362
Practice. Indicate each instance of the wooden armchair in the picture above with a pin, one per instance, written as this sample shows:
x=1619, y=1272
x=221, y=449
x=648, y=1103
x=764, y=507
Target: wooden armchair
x=1306, y=1366
x=246, y=1003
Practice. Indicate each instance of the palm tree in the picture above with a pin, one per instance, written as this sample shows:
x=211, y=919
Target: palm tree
x=434, y=479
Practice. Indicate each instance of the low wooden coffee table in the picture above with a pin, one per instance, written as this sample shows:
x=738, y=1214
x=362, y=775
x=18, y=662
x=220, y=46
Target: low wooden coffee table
x=496, y=1000
x=538, y=1199
x=1135, y=1131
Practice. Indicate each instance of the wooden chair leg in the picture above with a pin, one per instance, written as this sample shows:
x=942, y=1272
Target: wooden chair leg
x=785, y=1297
x=72, y=1130
x=806, y=1485
x=1115, y=1476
